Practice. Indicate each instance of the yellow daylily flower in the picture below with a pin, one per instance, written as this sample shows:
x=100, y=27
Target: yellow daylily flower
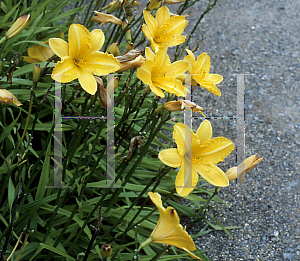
x=199, y=71
x=201, y=156
x=81, y=59
x=36, y=71
x=163, y=28
x=168, y=229
x=7, y=97
x=248, y=164
x=38, y=53
x=159, y=73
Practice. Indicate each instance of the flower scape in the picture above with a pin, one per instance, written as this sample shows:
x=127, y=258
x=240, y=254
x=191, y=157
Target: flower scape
x=96, y=157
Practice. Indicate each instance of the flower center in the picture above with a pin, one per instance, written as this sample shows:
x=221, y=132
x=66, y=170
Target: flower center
x=79, y=62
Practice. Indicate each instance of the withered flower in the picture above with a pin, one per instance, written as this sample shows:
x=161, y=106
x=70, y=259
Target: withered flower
x=103, y=18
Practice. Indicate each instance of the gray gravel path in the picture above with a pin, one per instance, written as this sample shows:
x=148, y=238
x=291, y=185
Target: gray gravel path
x=261, y=38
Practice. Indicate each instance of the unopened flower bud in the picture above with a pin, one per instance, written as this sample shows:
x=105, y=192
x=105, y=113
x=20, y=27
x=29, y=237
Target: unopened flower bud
x=9, y=161
x=114, y=5
x=129, y=47
x=61, y=35
x=36, y=73
x=7, y=97
x=102, y=94
x=153, y=4
x=127, y=33
x=131, y=3
x=248, y=164
x=18, y=26
x=113, y=49
x=106, y=251
x=106, y=18
x=146, y=89
x=130, y=18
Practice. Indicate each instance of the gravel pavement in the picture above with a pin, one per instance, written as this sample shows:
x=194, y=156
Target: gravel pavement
x=260, y=38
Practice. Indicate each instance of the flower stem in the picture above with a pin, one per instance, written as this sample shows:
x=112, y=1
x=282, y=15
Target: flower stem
x=203, y=207
x=145, y=243
x=2, y=40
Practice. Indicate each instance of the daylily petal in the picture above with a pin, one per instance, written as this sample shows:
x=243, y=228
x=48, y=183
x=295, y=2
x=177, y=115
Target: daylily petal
x=212, y=174
x=190, y=53
x=40, y=52
x=146, y=32
x=181, y=78
x=151, y=22
x=170, y=157
x=186, y=180
x=212, y=78
x=65, y=70
x=162, y=60
x=6, y=97
x=215, y=150
x=87, y=81
x=162, y=15
x=168, y=222
x=99, y=63
x=59, y=47
x=179, y=135
x=177, y=40
x=30, y=59
x=177, y=68
x=144, y=72
x=190, y=253
x=194, y=82
x=154, y=46
x=156, y=199
x=98, y=39
x=172, y=233
x=171, y=29
x=211, y=87
x=191, y=62
x=157, y=91
x=169, y=84
x=202, y=63
x=80, y=41
x=204, y=132
x=149, y=54
x=168, y=230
